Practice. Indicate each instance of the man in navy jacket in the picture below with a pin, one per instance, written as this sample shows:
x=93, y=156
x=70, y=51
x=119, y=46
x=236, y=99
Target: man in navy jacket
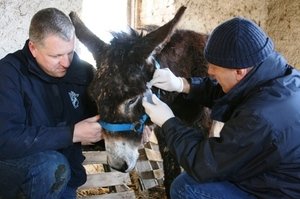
x=45, y=112
x=253, y=150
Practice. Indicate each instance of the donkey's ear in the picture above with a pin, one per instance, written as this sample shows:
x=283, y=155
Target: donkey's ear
x=89, y=39
x=153, y=42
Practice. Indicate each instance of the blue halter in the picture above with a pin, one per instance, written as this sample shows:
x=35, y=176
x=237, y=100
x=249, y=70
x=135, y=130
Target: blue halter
x=137, y=127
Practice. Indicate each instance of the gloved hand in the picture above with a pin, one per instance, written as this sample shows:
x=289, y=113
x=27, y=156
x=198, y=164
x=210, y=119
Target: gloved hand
x=166, y=80
x=158, y=111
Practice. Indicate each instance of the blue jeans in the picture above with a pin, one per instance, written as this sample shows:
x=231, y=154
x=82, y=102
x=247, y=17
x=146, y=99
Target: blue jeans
x=41, y=175
x=185, y=187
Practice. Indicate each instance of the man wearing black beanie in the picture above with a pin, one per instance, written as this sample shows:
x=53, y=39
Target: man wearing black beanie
x=253, y=150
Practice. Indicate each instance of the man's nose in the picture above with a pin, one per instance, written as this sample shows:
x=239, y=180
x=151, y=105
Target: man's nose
x=65, y=61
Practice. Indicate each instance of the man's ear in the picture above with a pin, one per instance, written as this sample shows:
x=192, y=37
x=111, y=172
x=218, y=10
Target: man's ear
x=32, y=48
x=241, y=73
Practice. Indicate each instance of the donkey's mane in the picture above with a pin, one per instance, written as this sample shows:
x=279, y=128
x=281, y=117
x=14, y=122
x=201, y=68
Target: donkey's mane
x=128, y=37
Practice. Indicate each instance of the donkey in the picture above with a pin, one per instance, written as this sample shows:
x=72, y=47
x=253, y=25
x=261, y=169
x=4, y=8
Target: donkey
x=123, y=69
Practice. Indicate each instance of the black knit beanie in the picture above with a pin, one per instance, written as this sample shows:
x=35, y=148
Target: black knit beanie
x=238, y=43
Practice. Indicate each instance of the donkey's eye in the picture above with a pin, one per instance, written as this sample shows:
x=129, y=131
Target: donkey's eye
x=132, y=101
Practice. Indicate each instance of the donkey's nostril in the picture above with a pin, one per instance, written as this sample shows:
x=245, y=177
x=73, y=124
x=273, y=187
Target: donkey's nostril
x=124, y=167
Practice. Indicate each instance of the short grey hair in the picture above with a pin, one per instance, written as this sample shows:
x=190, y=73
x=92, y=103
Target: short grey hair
x=50, y=21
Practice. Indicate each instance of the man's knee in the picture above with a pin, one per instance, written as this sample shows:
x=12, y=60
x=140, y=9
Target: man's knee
x=56, y=168
x=45, y=172
x=181, y=186
x=49, y=172
x=177, y=186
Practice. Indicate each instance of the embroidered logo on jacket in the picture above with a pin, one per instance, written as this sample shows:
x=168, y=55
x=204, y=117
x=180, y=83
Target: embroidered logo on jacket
x=74, y=99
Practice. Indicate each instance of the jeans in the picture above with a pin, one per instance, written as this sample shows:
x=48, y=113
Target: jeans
x=41, y=175
x=185, y=187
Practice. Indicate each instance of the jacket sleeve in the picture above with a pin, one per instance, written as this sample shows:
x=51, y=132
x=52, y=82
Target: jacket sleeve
x=204, y=90
x=18, y=136
x=244, y=149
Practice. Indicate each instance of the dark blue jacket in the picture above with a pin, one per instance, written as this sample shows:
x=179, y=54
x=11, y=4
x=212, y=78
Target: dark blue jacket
x=36, y=110
x=259, y=144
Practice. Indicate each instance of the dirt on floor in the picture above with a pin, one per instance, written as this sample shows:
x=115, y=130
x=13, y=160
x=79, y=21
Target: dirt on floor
x=153, y=193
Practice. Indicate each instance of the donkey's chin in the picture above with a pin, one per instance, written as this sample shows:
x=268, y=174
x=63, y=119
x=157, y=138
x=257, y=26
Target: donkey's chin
x=121, y=156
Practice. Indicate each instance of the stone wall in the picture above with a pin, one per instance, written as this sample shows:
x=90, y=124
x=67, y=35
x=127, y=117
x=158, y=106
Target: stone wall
x=279, y=18
x=15, y=16
x=283, y=25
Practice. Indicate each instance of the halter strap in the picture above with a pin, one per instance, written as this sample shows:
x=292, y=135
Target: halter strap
x=157, y=66
x=115, y=128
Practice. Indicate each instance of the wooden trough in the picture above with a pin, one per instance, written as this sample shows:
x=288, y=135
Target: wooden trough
x=104, y=182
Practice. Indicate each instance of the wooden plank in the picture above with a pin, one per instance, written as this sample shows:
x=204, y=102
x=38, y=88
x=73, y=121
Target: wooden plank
x=122, y=188
x=142, y=155
x=150, y=155
x=106, y=179
x=149, y=165
x=144, y=166
x=153, y=138
x=114, y=179
x=121, y=195
x=152, y=146
x=154, y=174
x=95, y=157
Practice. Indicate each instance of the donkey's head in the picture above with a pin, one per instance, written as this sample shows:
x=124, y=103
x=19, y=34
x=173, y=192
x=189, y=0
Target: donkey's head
x=123, y=69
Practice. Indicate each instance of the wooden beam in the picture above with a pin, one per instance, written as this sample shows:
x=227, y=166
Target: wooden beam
x=154, y=174
x=95, y=157
x=106, y=179
x=149, y=154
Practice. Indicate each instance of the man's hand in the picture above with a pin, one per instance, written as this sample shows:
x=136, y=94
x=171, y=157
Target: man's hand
x=158, y=111
x=166, y=80
x=88, y=130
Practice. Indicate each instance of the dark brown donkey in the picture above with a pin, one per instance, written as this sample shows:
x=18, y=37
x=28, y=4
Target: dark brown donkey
x=123, y=69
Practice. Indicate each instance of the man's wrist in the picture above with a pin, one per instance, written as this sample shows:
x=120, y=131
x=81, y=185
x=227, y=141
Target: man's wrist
x=180, y=89
x=186, y=86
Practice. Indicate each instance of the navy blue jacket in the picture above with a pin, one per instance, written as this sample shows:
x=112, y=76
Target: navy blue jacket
x=259, y=144
x=36, y=110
